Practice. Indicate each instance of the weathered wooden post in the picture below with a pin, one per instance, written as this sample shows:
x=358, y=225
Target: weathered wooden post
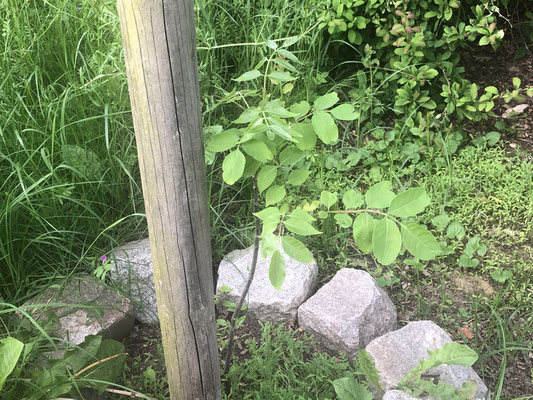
x=160, y=52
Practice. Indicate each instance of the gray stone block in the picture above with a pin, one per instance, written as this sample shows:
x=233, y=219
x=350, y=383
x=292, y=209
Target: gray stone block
x=348, y=312
x=396, y=353
x=133, y=274
x=96, y=310
x=263, y=300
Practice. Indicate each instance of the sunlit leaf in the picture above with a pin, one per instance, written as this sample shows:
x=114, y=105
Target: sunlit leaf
x=300, y=226
x=224, y=140
x=296, y=249
x=258, y=150
x=352, y=200
x=344, y=112
x=379, y=195
x=10, y=350
x=328, y=198
x=307, y=139
x=420, y=242
x=266, y=177
x=297, y=177
x=326, y=101
x=248, y=76
x=275, y=194
x=325, y=127
x=386, y=240
x=363, y=229
x=276, y=271
x=409, y=203
x=348, y=388
x=233, y=166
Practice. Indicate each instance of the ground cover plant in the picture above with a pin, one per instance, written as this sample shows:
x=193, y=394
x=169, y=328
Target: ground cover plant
x=379, y=84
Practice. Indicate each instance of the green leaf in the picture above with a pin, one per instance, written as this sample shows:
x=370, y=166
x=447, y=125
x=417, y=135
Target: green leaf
x=430, y=105
x=468, y=390
x=326, y=101
x=386, y=240
x=266, y=176
x=300, y=109
x=281, y=76
x=300, y=226
x=325, y=127
x=79, y=356
x=420, y=242
x=468, y=261
x=258, y=150
x=233, y=167
x=248, y=115
x=248, y=76
x=296, y=250
x=348, y=388
x=440, y=221
x=276, y=271
x=455, y=230
x=290, y=155
x=275, y=194
x=297, y=177
x=501, y=275
x=268, y=213
x=492, y=138
x=307, y=139
x=492, y=90
x=516, y=82
x=409, y=203
x=430, y=73
x=343, y=220
x=111, y=369
x=351, y=36
x=352, y=200
x=363, y=229
x=277, y=109
x=484, y=41
x=302, y=214
x=283, y=132
x=269, y=244
x=224, y=140
x=473, y=91
x=288, y=55
x=284, y=64
x=360, y=22
x=250, y=167
x=451, y=353
x=379, y=195
x=10, y=350
x=344, y=112
x=328, y=198
x=290, y=41
x=270, y=43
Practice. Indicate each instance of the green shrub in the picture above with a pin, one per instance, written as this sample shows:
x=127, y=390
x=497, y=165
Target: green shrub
x=410, y=54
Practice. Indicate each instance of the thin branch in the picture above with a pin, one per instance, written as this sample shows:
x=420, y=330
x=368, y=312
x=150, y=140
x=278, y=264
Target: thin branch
x=236, y=313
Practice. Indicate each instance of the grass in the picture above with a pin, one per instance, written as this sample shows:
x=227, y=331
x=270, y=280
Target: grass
x=69, y=183
x=281, y=366
x=67, y=155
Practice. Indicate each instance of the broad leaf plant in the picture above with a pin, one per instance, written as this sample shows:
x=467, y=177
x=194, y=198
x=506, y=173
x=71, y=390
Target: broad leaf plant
x=270, y=139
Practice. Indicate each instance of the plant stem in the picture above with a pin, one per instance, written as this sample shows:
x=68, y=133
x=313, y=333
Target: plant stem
x=236, y=313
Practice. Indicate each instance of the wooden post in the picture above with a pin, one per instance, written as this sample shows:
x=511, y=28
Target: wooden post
x=160, y=52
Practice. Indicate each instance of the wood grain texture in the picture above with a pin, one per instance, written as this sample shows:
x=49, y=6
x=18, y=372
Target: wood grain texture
x=160, y=52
